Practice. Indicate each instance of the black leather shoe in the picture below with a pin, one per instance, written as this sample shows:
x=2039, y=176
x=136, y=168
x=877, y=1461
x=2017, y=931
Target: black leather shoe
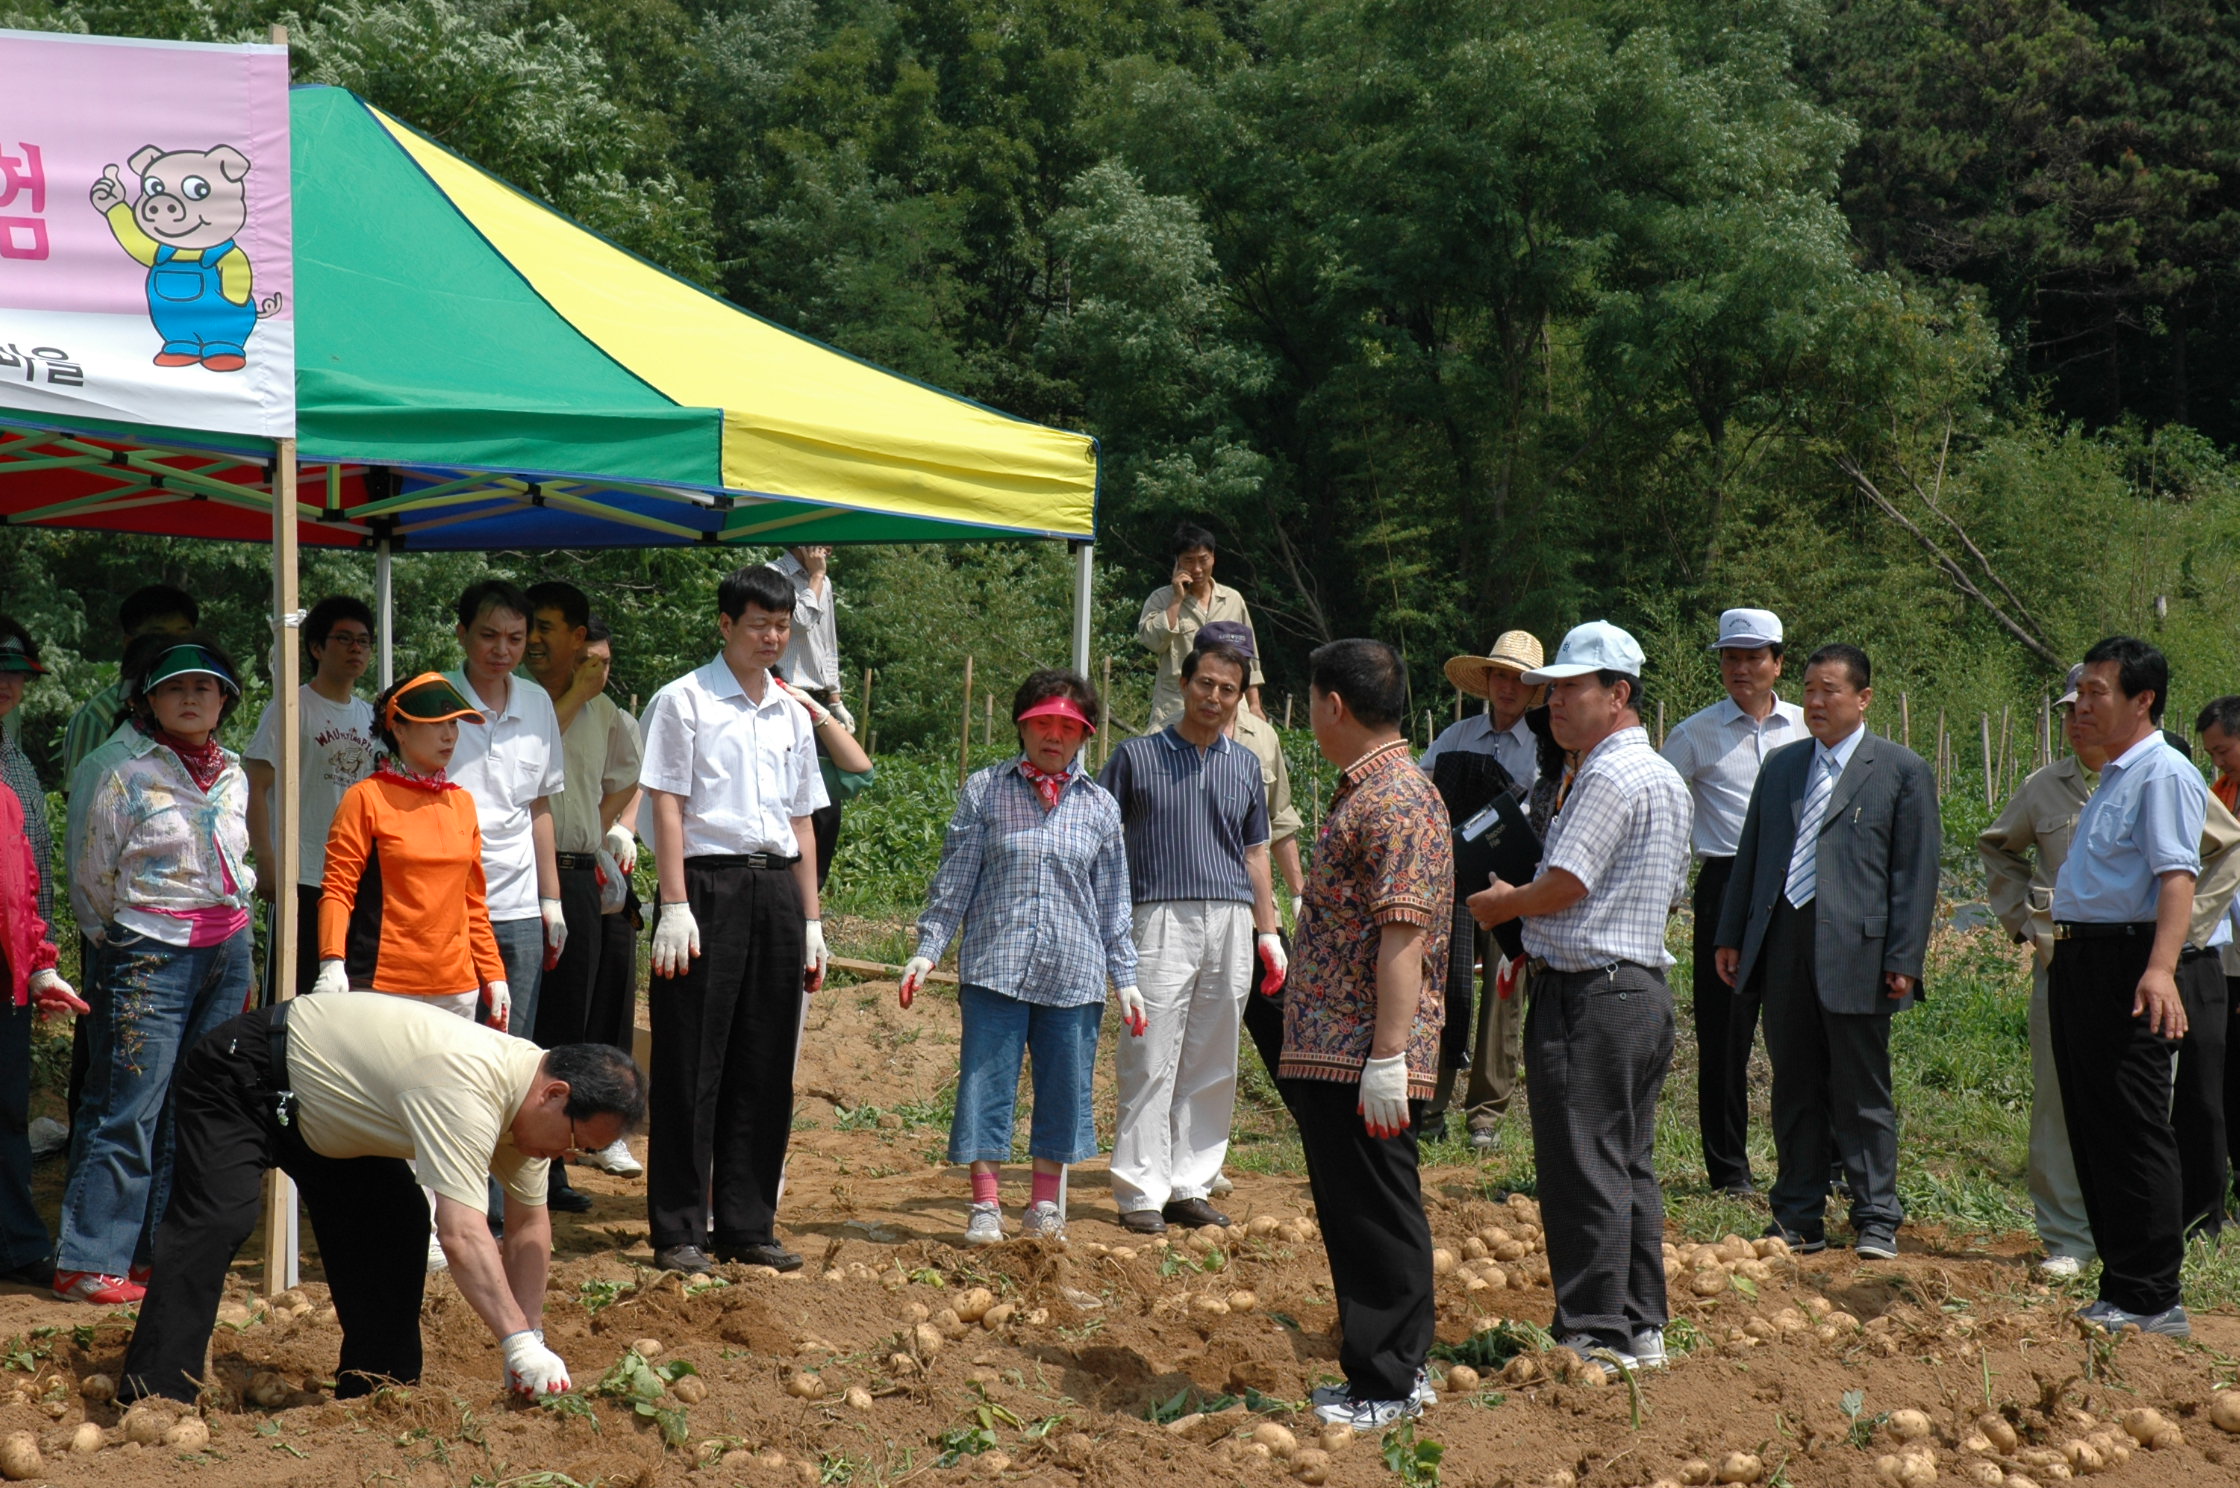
x=1801, y=1242
x=762, y=1253
x=1143, y=1222
x=690, y=1259
x=567, y=1200
x=1193, y=1214
x=31, y=1273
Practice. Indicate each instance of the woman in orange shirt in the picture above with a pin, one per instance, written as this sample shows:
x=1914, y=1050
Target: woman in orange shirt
x=402, y=907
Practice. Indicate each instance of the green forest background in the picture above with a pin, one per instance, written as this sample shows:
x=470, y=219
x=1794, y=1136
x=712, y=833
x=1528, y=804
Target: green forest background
x=1913, y=321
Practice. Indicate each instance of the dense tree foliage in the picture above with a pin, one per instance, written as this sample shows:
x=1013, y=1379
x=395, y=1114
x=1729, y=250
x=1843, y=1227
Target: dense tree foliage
x=1915, y=319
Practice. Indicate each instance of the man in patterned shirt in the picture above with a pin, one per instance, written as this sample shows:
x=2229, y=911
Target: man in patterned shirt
x=1361, y=1021
x=1598, y=1036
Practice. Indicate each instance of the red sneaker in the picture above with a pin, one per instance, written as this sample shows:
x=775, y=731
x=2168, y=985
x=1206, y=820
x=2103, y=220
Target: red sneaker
x=139, y=1275
x=92, y=1286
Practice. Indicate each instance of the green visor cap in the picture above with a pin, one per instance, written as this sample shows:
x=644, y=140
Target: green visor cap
x=430, y=698
x=188, y=661
x=15, y=658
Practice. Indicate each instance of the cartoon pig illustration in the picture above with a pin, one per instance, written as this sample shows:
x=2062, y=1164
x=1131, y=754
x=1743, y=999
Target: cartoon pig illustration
x=192, y=207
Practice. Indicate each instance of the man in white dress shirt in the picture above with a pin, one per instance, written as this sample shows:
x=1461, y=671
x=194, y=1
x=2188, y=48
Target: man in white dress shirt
x=1497, y=731
x=812, y=663
x=1718, y=753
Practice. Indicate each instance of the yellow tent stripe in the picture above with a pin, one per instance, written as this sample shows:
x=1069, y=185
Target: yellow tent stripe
x=799, y=420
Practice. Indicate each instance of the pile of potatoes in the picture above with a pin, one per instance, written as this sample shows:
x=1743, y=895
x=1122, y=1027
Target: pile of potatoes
x=1709, y=1270
x=1308, y=1461
x=1510, y=1254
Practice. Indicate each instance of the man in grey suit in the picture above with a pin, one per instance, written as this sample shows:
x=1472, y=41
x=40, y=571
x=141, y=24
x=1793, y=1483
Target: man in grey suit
x=1828, y=909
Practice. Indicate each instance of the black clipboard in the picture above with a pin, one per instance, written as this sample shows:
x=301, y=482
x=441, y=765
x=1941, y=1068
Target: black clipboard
x=1498, y=842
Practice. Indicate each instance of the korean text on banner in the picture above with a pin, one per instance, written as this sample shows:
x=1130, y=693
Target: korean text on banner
x=145, y=269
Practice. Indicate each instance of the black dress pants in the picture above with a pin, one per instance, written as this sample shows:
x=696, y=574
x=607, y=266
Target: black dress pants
x=1597, y=1045
x=1726, y=1026
x=367, y=1212
x=580, y=1000
x=1831, y=1088
x=1370, y=1207
x=724, y=1037
x=1263, y=1017
x=2197, y=1095
x=2115, y=1088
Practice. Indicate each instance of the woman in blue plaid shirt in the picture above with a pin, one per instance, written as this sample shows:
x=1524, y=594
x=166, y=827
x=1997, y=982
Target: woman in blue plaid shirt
x=1034, y=873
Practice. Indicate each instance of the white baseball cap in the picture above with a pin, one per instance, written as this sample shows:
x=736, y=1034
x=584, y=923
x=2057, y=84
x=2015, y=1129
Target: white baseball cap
x=1744, y=630
x=1597, y=646
x=2069, y=686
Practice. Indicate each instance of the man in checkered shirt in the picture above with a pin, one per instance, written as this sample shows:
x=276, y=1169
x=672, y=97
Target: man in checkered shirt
x=1598, y=1035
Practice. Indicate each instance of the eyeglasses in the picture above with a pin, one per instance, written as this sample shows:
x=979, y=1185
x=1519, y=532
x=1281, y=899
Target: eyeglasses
x=356, y=640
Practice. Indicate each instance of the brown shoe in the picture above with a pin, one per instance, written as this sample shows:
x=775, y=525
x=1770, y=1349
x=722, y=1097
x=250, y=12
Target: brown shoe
x=1193, y=1214
x=1143, y=1222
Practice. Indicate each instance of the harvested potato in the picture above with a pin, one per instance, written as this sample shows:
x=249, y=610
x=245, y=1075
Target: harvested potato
x=857, y=1398
x=268, y=1391
x=1311, y=1466
x=1442, y=1262
x=648, y=1348
x=928, y=1339
x=1243, y=1300
x=1695, y=1471
x=190, y=1435
x=1208, y=1305
x=1461, y=1378
x=1336, y=1439
x=691, y=1389
x=86, y=1439
x=1989, y=1474
x=1909, y=1425
x=2224, y=1410
x=1999, y=1430
x=1277, y=1439
x=974, y=1304
x=802, y=1385
x=146, y=1423
x=1706, y=1282
x=999, y=1315
x=97, y=1388
x=1740, y=1467
x=19, y=1456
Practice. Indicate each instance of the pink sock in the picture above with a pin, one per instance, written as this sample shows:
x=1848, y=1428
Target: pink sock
x=984, y=1188
x=1046, y=1187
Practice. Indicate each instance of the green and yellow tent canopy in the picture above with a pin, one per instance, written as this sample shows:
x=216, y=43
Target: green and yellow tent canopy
x=475, y=371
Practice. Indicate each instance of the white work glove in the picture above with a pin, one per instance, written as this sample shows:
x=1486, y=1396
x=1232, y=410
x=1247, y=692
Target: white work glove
x=1131, y=1010
x=819, y=714
x=817, y=958
x=51, y=994
x=332, y=977
x=500, y=998
x=676, y=940
x=622, y=846
x=612, y=885
x=1272, y=956
x=532, y=1369
x=846, y=719
x=555, y=930
x=1384, y=1096
x=914, y=975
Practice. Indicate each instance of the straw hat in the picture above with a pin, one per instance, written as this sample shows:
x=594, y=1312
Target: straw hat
x=1514, y=650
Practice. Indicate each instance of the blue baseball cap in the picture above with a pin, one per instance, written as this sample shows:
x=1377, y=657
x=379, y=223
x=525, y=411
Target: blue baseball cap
x=1597, y=646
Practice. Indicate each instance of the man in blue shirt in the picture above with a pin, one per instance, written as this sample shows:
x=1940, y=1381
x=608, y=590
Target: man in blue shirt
x=1195, y=817
x=2121, y=907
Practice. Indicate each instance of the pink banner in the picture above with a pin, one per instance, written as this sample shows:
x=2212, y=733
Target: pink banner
x=145, y=269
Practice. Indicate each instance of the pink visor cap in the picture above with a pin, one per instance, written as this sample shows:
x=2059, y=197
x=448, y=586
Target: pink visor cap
x=1058, y=707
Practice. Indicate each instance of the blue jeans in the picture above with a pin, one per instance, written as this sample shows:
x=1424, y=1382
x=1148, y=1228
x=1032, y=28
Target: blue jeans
x=998, y=1031
x=521, y=948
x=152, y=1003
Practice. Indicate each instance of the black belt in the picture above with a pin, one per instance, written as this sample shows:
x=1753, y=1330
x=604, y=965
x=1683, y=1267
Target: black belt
x=2094, y=930
x=576, y=862
x=1539, y=966
x=2196, y=953
x=741, y=860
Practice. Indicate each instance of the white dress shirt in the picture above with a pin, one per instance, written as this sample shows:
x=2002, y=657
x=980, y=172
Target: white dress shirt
x=507, y=765
x=1513, y=746
x=812, y=656
x=746, y=770
x=1718, y=752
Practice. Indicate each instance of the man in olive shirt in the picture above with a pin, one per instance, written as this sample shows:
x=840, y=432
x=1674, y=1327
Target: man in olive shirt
x=1175, y=612
x=363, y=1099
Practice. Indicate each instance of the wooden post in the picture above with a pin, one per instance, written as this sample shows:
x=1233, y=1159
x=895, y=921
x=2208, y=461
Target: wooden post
x=1287, y=710
x=988, y=720
x=2045, y=729
x=1660, y=723
x=280, y=1256
x=1458, y=705
x=964, y=733
x=1988, y=781
x=1944, y=757
x=2006, y=750
x=1104, y=715
x=863, y=707
x=1905, y=720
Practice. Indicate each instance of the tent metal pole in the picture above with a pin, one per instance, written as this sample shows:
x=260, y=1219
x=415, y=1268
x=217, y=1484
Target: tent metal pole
x=1084, y=583
x=280, y=1247
x=385, y=606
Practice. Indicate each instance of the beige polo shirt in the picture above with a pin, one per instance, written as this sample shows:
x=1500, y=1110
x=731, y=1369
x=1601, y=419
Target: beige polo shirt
x=1170, y=643
x=1266, y=745
x=382, y=1076
x=601, y=752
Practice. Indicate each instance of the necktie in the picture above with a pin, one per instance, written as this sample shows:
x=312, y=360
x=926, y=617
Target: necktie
x=1804, y=861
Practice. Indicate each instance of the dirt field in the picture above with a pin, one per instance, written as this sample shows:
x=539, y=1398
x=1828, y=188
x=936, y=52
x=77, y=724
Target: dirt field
x=1115, y=1362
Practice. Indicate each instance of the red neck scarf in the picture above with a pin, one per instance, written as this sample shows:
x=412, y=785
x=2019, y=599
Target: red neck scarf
x=1050, y=786
x=397, y=772
x=204, y=762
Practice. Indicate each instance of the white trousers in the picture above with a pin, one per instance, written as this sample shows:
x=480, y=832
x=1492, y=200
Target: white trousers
x=1178, y=1083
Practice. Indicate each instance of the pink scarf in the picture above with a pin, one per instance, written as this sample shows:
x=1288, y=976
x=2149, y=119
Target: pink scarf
x=1050, y=785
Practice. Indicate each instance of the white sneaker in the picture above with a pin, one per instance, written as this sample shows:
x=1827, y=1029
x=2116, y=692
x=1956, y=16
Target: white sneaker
x=437, y=1260
x=1609, y=1360
x=985, y=1226
x=1648, y=1349
x=2060, y=1267
x=615, y=1158
x=1220, y=1186
x=1043, y=1221
x=1367, y=1415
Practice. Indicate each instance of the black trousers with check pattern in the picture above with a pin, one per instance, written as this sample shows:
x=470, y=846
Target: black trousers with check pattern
x=1597, y=1045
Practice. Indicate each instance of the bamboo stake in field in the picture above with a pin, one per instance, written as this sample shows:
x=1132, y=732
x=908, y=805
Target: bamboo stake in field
x=1458, y=705
x=1660, y=723
x=1287, y=710
x=988, y=720
x=1905, y=720
x=964, y=733
x=1990, y=782
x=1944, y=757
x=863, y=706
x=1104, y=715
x=2045, y=729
